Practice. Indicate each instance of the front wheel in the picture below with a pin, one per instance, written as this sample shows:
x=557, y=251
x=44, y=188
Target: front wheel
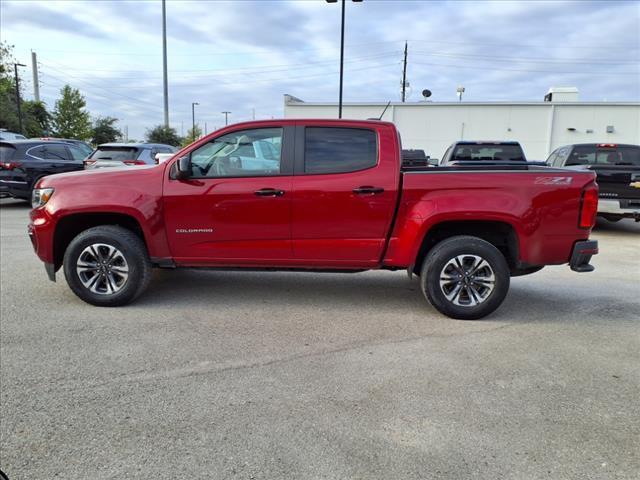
x=465, y=277
x=107, y=266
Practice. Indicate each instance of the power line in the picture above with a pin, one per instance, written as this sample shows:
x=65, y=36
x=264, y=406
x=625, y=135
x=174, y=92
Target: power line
x=525, y=59
x=256, y=69
x=524, y=70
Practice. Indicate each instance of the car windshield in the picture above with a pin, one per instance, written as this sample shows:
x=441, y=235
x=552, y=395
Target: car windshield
x=487, y=152
x=119, y=154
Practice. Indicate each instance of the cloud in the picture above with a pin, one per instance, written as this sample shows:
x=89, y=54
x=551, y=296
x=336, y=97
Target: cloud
x=48, y=19
x=244, y=55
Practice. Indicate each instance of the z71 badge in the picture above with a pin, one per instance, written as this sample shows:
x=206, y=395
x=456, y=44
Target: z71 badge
x=553, y=180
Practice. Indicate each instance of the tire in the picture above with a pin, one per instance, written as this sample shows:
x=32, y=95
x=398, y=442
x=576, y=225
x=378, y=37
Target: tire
x=447, y=283
x=123, y=276
x=612, y=218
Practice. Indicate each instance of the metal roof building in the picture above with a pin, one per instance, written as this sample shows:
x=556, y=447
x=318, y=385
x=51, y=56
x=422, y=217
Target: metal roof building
x=539, y=126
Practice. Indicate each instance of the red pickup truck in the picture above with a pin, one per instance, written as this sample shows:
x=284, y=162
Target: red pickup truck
x=321, y=195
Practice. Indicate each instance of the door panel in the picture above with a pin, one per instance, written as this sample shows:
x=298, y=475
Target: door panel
x=224, y=221
x=333, y=225
x=236, y=209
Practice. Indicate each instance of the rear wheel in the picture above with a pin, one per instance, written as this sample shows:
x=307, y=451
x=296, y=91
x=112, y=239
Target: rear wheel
x=465, y=277
x=612, y=218
x=107, y=266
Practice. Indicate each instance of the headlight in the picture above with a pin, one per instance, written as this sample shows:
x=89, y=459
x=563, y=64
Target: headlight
x=40, y=197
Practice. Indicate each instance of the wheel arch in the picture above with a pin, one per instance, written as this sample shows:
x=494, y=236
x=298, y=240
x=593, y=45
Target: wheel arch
x=500, y=234
x=68, y=227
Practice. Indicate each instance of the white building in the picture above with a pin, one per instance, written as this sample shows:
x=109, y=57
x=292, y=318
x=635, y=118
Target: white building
x=539, y=126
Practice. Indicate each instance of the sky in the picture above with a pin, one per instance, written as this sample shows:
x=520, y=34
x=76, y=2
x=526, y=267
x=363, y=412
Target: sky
x=242, y=56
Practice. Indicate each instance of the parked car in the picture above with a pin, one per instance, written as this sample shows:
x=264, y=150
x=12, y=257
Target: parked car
x=126, y=154
x=474, y=151
x=84, y=146
x=618, y=169
x=7, y=135
x=163, y=157
x=24, y=162
x=338, y=201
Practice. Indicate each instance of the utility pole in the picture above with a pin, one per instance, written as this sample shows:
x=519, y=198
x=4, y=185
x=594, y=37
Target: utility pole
x=226, y=117
x=164, y=64
x=193, y=119
x=404, y=74
x=253, y=112
x=15, y=69
x=205, y=129
x=36, y=84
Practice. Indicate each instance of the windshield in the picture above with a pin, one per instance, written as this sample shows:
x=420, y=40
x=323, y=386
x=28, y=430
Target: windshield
x=119, y=154
x=488, y=152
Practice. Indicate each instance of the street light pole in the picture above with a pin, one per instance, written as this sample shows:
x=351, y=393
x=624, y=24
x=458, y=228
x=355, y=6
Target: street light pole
x=164, y=65
x=226, y=117
x=15, y=68
x=341, y=60
x=193, y=119
x=341, y=53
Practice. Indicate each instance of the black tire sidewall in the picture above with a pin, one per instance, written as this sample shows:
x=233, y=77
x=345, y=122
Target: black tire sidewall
x=445, y=251
x=131, y=254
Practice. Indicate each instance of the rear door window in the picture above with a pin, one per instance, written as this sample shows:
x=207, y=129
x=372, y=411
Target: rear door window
x=339, y=150
x=56, y=153
x=77, y=153
x=38, y=152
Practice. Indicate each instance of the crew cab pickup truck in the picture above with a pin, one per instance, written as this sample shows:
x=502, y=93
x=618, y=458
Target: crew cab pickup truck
x=336, y=199
x=618, y=174
x=464, y=151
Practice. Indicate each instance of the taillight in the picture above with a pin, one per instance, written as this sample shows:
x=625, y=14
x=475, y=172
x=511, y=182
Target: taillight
x=88, y=163
x=10, y=165
x=607, y=145
x=134, y=162
x=588, y=208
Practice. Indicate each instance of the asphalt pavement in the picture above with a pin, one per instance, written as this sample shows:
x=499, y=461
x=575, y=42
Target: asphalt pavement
x=216, y=375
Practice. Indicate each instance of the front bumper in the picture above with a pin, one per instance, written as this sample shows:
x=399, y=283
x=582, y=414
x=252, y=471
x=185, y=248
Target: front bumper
x=619, y=207
x=581, y=255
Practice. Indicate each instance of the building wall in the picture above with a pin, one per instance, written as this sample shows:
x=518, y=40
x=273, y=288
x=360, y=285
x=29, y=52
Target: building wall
x=540, y=127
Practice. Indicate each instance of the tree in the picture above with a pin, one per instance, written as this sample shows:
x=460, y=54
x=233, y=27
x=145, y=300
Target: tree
x=8, y=107
x=37, y=121
x=70, y=119
x=162, y=134
x=192, y=136
x=104, y=130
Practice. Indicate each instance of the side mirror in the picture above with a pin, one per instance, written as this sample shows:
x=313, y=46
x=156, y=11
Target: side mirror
x=183, y=168
x=433, y=162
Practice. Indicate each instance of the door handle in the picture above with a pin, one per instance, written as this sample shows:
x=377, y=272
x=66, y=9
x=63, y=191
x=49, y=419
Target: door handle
x=368, y=190
x=269, y=192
